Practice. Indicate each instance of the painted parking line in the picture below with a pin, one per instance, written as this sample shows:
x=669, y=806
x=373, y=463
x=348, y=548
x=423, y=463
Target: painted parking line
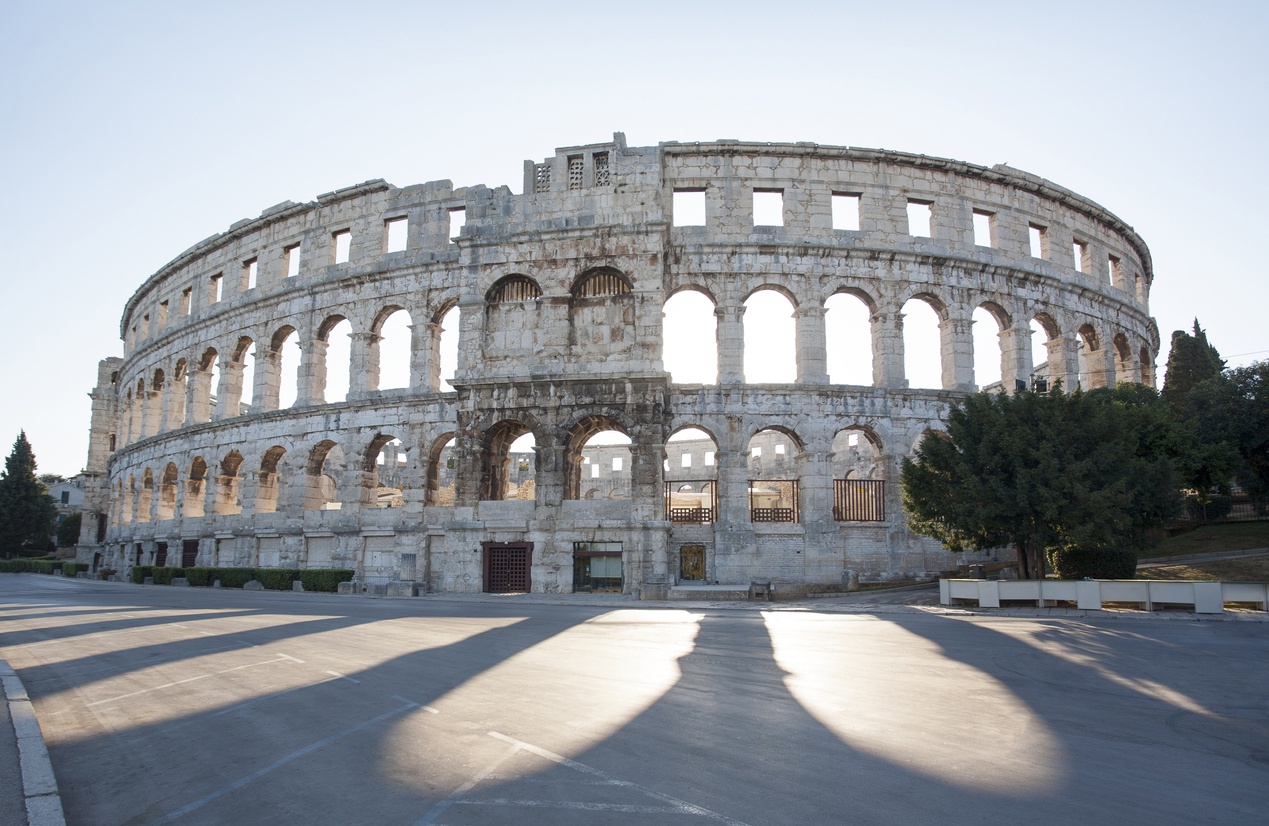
x=279, y=763
x=283, y=658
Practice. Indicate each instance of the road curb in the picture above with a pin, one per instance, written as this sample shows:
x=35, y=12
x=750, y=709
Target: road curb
x=39, y=785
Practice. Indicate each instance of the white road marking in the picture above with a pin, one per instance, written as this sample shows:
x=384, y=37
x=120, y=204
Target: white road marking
x=679, y=806
x=454, y=796
x=279, y=763
x=428, y=709
x=573, y=804
x=186, y=680
x=350, y=679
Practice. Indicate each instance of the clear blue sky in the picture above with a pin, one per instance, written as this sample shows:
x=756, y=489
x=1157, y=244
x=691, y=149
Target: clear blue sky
x=130, y=130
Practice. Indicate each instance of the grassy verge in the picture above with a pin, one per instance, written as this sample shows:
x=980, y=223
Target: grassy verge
x=1232, y=536
x=1255, y=569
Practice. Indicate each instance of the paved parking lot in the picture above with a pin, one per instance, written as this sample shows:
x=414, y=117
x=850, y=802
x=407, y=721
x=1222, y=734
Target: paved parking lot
x=167, y=705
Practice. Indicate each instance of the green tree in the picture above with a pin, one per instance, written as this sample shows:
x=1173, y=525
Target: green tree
x=1045, y=472
x=68, y=530
x=27, y=514
x=1233, y=409
x=1191, y=360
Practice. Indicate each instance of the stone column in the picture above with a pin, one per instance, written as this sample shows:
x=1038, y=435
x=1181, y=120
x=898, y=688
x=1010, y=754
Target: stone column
x=731, y=343
x=471, y=334
x=887, y=350
x=422, y=356
x=815, y=486
x=956, y=338
x=198, y=397
x=812, y=346
x=312, y=380
x=152, y=415
x=176, y=403
x=229, y=396
x=1015, y=355
x=1064, y=360
x=267, y=381
x=363, y=364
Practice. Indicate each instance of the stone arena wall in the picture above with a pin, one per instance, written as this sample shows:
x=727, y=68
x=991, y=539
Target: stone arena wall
x=560, y=293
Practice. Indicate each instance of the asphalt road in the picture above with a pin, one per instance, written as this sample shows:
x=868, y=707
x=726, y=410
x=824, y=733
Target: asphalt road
x=201, y=706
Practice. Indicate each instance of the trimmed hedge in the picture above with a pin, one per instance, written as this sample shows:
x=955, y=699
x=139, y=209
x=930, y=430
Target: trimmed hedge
x=71, y=568
x=200, y=576
x=28, y=566
x=277, y=579
x=140, y=572
x=233, y=577
x=1093, y=563
x=324, y=579
x=165, y=575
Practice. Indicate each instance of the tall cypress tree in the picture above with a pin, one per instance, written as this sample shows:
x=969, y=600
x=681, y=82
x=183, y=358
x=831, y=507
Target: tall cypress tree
x=27, y=514
x=1190, y=361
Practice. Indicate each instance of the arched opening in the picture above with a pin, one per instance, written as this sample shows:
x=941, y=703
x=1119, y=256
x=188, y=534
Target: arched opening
x=441, y=467
x=447, y=347
x=601, y=314
x=394, y=348
x=385, y=472
x=1125, y=367
x=859, y=487
x=691, y=477
x=989, y=324
x=848, y=339
x=689, y=338
x=321, y=489
x=146, y=499
x=166, y=507
x=129, y=502
x=770, y=338
x=1091, y=360
x=508, y=462
x=227, y=485
x=175, y=404
x=598, y=460
x=1046, y=353
x=195, y=489
x=268, y=480
x=1147, y=367
x=284, y=355
x=336, y=331
x=243, y=382
x=154, y=404
x=206, y=384
x=773, y=476
x=513, y=317
x=922, y=344
x=138, y=409
x=125, y=416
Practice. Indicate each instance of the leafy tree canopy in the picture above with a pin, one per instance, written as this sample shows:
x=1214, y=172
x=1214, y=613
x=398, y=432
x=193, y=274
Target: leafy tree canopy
x=1190, y=361
x=27, y=513
x=68, y=530
x=1089, y=470
x=1233, y=408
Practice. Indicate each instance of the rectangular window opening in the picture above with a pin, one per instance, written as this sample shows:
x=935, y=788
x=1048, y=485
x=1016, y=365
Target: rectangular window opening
x=343, y=245
x=768, y=208
x=616, y=464
x=457, y=220
x=983, y=228
x=1079, y=250
x=394, y=232
x=756, y=452
x=779, y=449
x=1036, y=236
x=250, y=272
x=920, y=219
x=846, y=211
x=594, y=471
x=689, y=207
x=686, y=460
x=709, y=458
x=292, y=254
x=186, y=295
x=1113, y=273
x=162, y=317
x=542, y=177
x=214, y=288
x=575, y=168
x=603, y=177
x=145, y=325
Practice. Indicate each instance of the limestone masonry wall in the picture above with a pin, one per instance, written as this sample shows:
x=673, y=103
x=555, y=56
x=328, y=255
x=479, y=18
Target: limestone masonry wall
x=619, y=478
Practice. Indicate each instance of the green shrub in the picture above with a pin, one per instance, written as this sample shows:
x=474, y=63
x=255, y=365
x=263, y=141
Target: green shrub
x=1217, y=506
x=277, y=579
x=70, y=569
x=1094, y=563
x=324, y=579
x=165, y=575
x=28, y=566
x=200, y=576
x=234, y=577
x=140, y=572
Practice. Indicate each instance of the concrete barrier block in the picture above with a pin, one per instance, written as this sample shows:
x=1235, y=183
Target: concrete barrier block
x=989, y=594
x=1089, y=595
x=1207, y=598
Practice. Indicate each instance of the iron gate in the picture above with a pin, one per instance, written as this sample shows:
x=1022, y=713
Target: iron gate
x=507, y=567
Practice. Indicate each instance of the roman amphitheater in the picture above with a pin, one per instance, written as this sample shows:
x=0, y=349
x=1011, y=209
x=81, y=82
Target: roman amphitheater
x=467, y=389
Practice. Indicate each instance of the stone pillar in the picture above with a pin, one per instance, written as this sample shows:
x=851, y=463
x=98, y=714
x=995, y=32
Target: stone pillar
x=551, y=472
x=1015, y=355
x=887, y=350
x=229, y=396
x=421, y=356
x=1064, y=360
x=152, y=414
x=176, y=403
x=812, y=347
x=432, y=356
x=364, y=364
x=815, y=485
x=647, y=491
x=248, y=487
x=312, y=380
x=731, y=343
x=267, y=381
x=1101, y=366
x=956, y=339
x=198, y=397
x=471, y=330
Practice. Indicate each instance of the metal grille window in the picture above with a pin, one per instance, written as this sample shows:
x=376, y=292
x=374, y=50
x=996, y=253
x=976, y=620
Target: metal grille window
x=575, y=172
x=515, y=288
x=542, y=178
x=773, y=500
x=602, y=176
x=691, y=502
x=859, y=500
x=603, y=282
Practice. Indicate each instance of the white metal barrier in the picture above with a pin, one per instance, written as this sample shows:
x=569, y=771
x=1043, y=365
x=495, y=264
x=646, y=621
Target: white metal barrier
x=1204, y=597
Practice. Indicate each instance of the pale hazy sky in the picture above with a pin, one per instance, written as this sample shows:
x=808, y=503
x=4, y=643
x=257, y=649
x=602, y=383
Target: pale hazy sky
x=130, y=131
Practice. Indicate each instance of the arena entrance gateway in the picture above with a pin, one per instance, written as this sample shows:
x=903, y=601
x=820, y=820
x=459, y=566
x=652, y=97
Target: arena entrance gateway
x=506, y=566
